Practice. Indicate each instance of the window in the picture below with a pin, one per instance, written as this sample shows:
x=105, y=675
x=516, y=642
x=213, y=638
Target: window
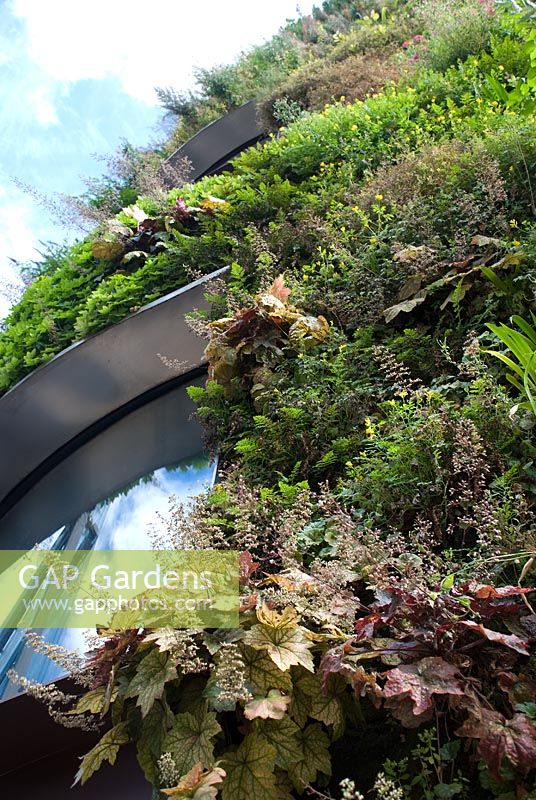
x=108, y=494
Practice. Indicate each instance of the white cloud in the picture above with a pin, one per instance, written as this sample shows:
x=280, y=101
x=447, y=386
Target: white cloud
x=26, y=90
x=46, y=47
x=18, y=240
x=143, y=44
x=42, y=105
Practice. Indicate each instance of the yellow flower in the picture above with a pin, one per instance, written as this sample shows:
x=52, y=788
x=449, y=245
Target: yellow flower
x=379, y=197
x=370, y=428
x=354, y=127
x=516, y=243
x=513, y=223
x=343, y=98
x=501, y=67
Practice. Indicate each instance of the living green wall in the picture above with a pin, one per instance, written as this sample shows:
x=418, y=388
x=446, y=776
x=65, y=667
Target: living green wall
x=377, y=468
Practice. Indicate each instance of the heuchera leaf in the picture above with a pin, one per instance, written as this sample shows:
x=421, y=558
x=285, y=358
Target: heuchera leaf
x=190, y=739
x=148, y=745
x=105, y=250
x=282, y=734
x=262, y=674
x=520, y=688
x=197, y=784
x=273, y=706
x=250, y=771
x=153, y=672
x=418, y=683
x=284, y=786
x=333, y=662
x=489, y=601
x=320, y=700
x=166, y=639
x=282, y=638
x=247, y=567
x=507, y=639
x=327, y=707
x=366, y=626
x=513, y=739
x=285, y=646
x=93, y=701
x=365, y=684
x=105, y=750
x=314, y=744
x=302, y=695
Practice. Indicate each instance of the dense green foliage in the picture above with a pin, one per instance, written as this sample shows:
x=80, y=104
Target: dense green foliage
x=378, y=469
x=314, y=170
x=328, y=32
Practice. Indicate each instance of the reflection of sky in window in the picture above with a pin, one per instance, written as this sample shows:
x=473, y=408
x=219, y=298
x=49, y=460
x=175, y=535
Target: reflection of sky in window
x=120, y=523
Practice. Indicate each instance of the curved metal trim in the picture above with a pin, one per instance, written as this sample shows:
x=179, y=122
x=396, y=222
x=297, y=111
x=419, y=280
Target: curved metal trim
x=217, y=143
x=91, y=383
x=94, y=378
x=79, y=440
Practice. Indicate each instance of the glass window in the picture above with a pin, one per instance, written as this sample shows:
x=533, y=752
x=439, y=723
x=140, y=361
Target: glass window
x=110, y=494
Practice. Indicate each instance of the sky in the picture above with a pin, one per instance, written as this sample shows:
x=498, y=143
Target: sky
x=78, y=78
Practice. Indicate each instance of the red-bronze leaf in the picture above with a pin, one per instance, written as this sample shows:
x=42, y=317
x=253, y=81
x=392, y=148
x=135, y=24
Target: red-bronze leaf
x=366, y=626
x=419, y=682
x=513, y=739
x=506, y=639
x=247, y=567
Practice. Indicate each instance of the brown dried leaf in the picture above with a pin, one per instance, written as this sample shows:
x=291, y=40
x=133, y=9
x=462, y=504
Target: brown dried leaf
x=411, y=253
x=484, y=241
x=279, y=290
x=410, y=287
x=364, y=684
x=407, y=306
x=309, y=331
